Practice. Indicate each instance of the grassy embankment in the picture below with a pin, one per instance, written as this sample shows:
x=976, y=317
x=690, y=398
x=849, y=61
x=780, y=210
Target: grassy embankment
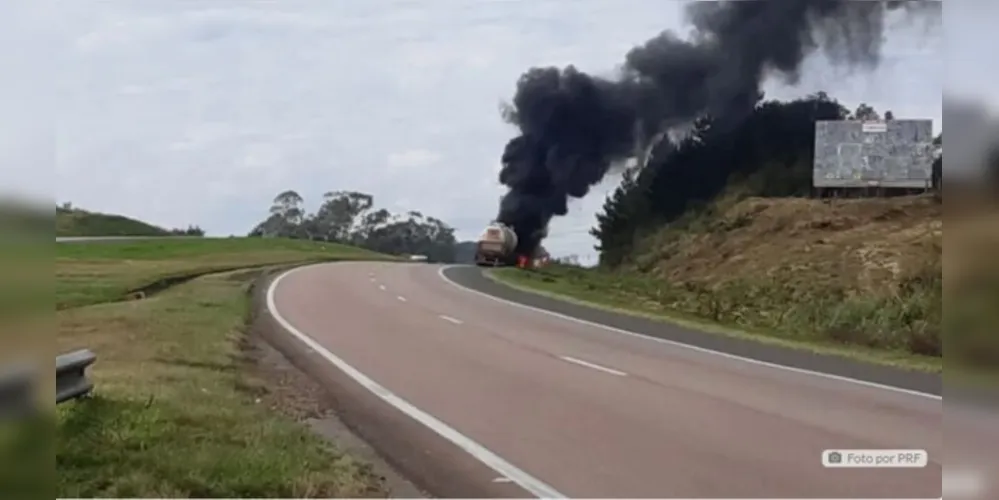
x=90, y=273
x=77, y=222
x=179, y=410
x=860, y=278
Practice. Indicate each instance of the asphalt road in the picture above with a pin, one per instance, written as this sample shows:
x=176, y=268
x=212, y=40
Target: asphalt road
x=535, y=404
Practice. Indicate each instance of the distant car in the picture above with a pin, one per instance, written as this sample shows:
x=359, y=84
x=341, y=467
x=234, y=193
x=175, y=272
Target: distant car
x=418, y=258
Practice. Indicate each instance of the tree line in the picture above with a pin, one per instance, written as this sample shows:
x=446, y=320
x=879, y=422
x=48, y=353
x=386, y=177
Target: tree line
x=767, y=154
x=350, y=217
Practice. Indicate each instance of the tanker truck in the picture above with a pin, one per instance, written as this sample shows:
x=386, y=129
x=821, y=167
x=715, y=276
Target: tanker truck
x=496, y=246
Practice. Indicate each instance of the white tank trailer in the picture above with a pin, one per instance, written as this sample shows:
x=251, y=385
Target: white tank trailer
x=498, y=244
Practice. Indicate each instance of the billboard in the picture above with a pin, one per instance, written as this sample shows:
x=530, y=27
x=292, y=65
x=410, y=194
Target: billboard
x=892, y=154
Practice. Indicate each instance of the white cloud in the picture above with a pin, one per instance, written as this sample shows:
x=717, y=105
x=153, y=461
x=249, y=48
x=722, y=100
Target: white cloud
x=200, y=112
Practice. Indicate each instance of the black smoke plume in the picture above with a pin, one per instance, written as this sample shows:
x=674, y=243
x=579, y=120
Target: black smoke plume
x=574, y=127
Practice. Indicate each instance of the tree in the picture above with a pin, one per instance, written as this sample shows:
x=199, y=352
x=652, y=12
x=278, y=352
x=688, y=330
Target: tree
x=191, y=230
x=347, y=217
x=273, y=226
x=368, y=224
x=288, y=205
x=769, y=153
x=339, y=215
x=866, y=113
x=286, y=215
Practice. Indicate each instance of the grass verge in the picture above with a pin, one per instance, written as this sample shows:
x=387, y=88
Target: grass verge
x=176, y=413
x=91, y=273
x=640, y=296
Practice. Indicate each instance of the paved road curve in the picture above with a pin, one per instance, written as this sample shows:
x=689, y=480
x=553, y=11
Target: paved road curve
x=556, y=407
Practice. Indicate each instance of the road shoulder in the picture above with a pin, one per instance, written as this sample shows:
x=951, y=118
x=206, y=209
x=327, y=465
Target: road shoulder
x=474, y=279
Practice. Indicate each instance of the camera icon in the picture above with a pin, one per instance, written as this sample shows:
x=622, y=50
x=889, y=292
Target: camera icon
x=834, y=457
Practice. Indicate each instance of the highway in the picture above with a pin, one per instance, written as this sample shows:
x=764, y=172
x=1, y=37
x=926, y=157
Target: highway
x=519, y=402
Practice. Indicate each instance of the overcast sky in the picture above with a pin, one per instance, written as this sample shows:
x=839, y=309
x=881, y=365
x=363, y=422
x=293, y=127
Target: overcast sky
x=180, y=112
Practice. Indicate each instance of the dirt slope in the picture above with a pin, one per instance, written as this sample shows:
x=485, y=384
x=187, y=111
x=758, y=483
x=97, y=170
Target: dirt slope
x=855, y=246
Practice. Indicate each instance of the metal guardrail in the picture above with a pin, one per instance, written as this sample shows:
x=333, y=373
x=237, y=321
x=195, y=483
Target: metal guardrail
x=18, y=382
x=71, y=375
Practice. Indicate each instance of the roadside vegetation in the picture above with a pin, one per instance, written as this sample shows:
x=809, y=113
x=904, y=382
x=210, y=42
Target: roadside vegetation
x=90, y=273
x=724, y=228
x=179, y=410
x=72, y=221
x=851, y=277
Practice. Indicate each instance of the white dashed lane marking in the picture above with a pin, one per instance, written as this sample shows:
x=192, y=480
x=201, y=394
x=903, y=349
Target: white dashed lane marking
x=535, y=486
x=594, y=366
x=401, y=298
x=450, y=319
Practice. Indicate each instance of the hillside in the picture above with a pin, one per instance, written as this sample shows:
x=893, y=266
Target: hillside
x=78, y=222
x=860, y=246
x=860, y=272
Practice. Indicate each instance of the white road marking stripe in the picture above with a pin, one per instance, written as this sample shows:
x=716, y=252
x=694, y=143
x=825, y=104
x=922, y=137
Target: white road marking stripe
x=840, y=378
x=449, y=318
x=530, y=483
x=594, y=366
x=401, y=298
x=382, y=287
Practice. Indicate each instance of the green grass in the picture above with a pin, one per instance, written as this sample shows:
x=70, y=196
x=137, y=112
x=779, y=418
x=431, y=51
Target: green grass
x=94, y=272
x=177, y=411
x=75, y=222
x=719, y=312
x=26, y=449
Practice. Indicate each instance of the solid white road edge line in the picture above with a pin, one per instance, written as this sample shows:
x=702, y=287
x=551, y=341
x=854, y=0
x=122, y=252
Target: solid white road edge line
x=530, y=483
x=840, y=378
x=450, y=319
x=593, y=366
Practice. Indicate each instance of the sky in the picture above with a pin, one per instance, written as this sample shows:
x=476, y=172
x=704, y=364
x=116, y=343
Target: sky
x=183, y=112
